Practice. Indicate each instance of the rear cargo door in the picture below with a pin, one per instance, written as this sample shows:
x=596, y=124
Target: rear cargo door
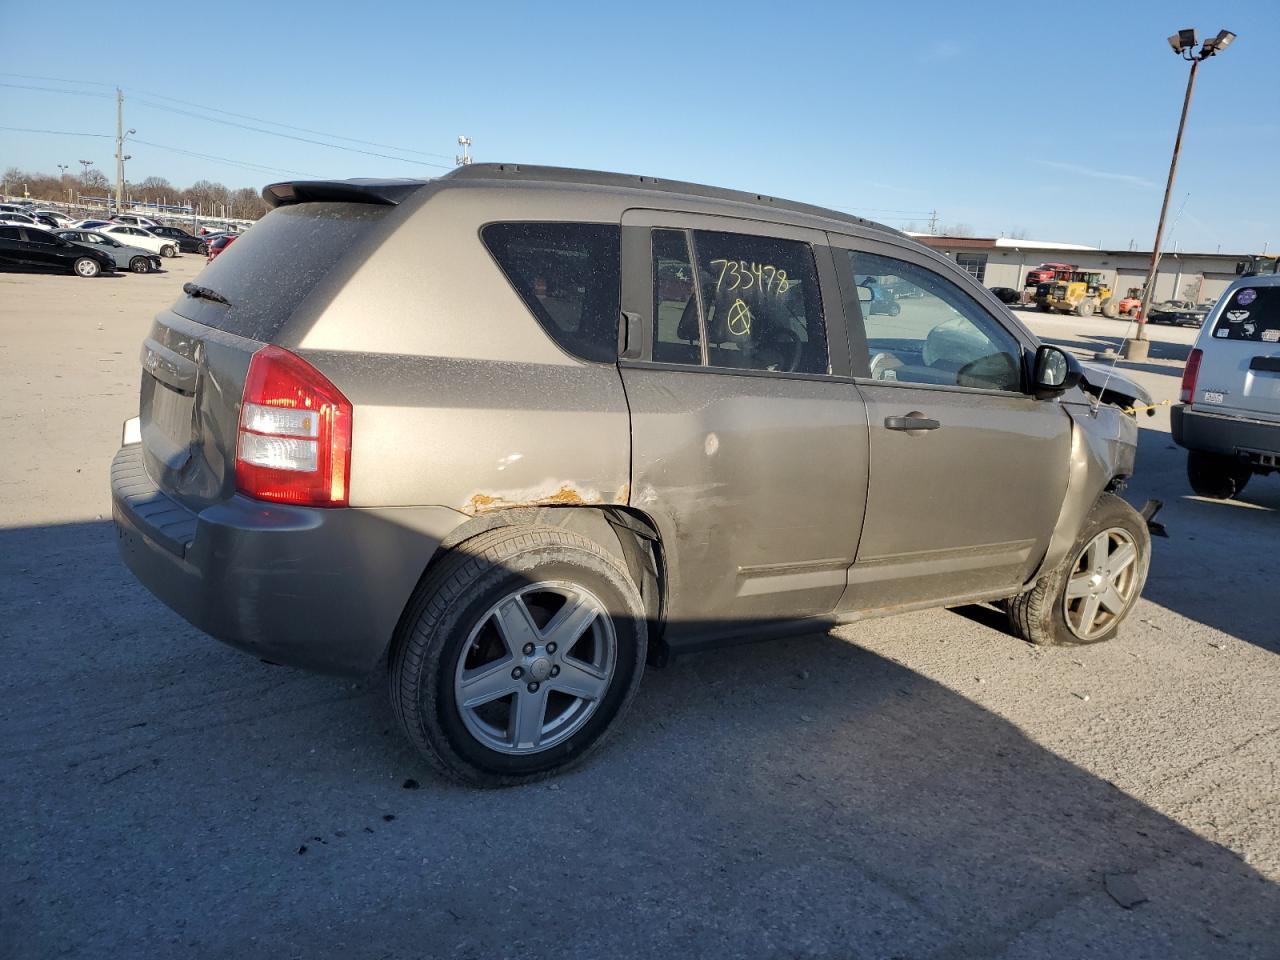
x=1240, y=369
x=196, y=356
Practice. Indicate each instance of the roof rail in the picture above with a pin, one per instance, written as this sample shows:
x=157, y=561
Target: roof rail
x=527, y=172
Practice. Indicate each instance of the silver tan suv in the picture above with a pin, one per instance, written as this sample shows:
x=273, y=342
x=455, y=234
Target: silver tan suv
x=1229, y=418
x=515, y=433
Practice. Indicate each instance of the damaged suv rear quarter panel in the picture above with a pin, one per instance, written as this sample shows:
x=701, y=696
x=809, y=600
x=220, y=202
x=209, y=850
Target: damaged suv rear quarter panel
x=456, y=392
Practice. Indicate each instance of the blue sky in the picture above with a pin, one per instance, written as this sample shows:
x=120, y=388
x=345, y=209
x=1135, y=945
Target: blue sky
x=1000, y=116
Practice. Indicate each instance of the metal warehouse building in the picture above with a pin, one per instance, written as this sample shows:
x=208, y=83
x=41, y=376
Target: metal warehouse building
x=1003, y=262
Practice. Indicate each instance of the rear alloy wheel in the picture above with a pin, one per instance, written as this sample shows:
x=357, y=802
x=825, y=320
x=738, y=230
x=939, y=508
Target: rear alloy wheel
x=1215, y=476
x=140, y=265
x=87, y=267
x=1087, y=596
x=518, y=654
x=168, y=250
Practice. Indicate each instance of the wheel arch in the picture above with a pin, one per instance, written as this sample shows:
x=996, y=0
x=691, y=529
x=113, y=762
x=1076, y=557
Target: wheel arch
x=629, y=535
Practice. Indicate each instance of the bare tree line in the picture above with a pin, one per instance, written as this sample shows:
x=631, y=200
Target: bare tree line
x=210, y=197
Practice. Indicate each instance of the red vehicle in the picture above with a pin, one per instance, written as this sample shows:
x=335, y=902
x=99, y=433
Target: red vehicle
x=220, y=244
x=1048, y=271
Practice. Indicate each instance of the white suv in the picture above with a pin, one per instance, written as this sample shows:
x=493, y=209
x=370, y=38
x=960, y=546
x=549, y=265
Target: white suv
x=1229, y=418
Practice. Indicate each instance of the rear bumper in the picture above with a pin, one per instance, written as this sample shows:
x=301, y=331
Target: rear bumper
x=1230, y=436
x=320, y=589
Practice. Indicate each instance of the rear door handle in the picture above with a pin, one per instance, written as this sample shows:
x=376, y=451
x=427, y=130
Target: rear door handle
x=911, y=422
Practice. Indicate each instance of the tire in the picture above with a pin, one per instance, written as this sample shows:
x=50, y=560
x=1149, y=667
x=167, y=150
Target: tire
x=1110, y=309
x=140, y=265
x=1046, y=616
x=1215, y=476
x=1042, y=306
x=450, y=630
x=1084, y=308
x=87, y=267
x=168, y=250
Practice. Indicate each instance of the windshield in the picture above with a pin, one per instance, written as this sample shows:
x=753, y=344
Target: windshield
x=1251, y=313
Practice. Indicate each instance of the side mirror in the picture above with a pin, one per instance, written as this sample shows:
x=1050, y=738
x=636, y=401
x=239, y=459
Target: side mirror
x=864, y=294
x=1055, y=371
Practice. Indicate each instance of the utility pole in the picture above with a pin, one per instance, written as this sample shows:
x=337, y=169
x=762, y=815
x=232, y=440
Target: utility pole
x=463, y=159
x=933, y=222
x=1183, y=43
x=121, y=156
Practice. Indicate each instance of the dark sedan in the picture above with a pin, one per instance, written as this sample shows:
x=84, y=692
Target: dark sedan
x=1179, y=312
x=28, y=248
x=186, y=242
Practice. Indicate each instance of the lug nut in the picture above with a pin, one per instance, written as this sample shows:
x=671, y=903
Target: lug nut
x=517, y=673
x=551, y=647
x=555, y=671
x=533, y=687
x=528, y=649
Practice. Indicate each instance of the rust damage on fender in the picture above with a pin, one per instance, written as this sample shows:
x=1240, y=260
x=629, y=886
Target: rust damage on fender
x=565, y=495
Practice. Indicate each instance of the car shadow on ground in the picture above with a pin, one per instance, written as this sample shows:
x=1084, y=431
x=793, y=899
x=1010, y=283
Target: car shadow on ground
x=1089, y=346
x=802, y=798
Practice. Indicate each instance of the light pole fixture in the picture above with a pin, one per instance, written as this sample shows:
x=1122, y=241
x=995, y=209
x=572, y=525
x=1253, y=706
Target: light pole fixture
x=1184, y=45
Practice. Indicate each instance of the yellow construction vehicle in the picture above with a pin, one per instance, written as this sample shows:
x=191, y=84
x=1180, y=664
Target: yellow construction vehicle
x=1083, y=293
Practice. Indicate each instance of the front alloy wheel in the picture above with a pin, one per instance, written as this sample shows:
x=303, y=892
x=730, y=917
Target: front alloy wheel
x=1101, y=588
x=87, y=267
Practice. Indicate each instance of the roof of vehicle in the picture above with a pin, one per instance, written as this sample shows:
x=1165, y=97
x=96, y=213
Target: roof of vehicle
x=392, y=192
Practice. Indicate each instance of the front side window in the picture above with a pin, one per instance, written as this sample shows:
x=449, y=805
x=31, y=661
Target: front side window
x=9, y=233
x=568, y=276
x=1252, y=313
x=761, y=307
x=922, y=328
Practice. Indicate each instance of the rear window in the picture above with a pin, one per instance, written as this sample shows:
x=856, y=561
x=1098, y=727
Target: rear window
x=1253, y=314
x=568, y=276
x=274, y=265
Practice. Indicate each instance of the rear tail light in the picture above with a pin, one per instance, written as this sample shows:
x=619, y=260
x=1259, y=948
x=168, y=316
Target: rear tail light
x=294, y=443
x=1189, y=374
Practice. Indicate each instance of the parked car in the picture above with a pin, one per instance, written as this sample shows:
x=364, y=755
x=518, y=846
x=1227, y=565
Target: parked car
x=1007, y=295
x=404, y=421
x=134, y=220
x=1229, y=415
x=22, y=218
x=185, y=241
x=1179, y=312
x=29, y=248
x=61, y=220
x=125, y=257
x=219, y=243
x=138, y=237
x=89, y=224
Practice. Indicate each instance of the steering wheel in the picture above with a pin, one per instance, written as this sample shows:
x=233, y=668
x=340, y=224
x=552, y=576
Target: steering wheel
x=790, y=354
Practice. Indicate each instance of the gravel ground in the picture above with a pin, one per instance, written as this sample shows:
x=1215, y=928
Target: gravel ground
x=922, y=786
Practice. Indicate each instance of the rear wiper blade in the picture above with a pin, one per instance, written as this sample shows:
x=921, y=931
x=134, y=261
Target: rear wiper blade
x=204, y=293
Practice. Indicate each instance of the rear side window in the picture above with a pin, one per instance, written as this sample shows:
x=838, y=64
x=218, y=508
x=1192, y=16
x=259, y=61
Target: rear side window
x=568, y=276
x=276, y=264
x=1253, y=314
x=761, y=308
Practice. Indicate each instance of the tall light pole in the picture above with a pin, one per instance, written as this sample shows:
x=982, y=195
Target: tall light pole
x=121, y=156
x=1183, y=43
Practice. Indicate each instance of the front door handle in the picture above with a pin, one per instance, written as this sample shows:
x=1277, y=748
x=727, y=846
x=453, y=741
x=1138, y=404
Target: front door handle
x=913, y=421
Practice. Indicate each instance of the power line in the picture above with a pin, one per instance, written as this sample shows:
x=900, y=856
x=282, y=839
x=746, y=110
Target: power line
x=60, y=133
x=289, y=126
x=248, y=165
x=26, y=76
x=161, y=106
x=74, y=93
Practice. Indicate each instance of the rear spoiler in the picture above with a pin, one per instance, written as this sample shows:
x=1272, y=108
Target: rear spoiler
x=385, y=192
